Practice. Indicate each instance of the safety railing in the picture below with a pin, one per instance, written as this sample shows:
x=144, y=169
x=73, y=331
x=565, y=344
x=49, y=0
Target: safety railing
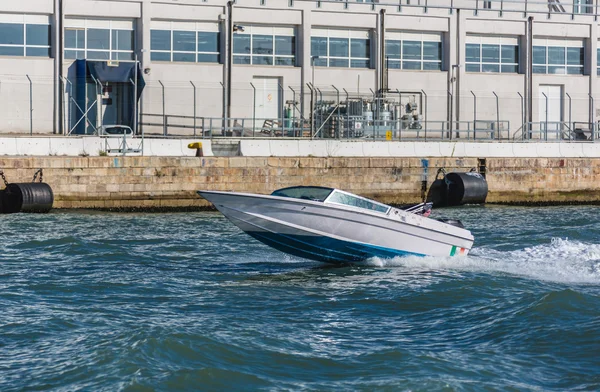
x=557, y=131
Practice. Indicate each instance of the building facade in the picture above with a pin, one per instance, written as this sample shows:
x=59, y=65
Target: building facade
x=449, y=61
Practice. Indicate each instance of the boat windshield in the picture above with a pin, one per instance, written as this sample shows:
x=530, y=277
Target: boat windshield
x=347, y=199
x=315, y=193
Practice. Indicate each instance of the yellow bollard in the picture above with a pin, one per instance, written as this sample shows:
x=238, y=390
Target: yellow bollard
x=198, y=147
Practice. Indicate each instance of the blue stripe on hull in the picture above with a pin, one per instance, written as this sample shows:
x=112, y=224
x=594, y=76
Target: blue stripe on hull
x=325, y=249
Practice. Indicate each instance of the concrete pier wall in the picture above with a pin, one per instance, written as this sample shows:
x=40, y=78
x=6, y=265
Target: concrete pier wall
x=171, y=182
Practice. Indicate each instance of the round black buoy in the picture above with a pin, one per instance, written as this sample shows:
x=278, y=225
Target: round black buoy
x=27, y=197
x=466, y=188
x=456, y=189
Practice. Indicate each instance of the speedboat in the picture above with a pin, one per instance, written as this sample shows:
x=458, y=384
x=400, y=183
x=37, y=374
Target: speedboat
x=334, y=226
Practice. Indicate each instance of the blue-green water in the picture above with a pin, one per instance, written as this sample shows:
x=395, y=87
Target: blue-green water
x=104, y=301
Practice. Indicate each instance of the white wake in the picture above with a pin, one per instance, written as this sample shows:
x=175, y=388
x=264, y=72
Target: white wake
x=560, y=260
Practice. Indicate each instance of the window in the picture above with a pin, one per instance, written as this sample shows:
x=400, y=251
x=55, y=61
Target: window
x=186, y=42
x=492, y=54
x=583, y=7
x=99, y=39
x=598, y=61
x=559, y=57
x=414, y=51
x=341, y=48
x=340, y=197
x=264, y=45
x=24, y=35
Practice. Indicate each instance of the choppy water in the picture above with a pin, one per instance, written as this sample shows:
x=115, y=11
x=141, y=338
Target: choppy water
x=106, y=301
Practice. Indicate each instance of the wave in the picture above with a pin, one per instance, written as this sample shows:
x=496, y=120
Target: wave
x=560, y=260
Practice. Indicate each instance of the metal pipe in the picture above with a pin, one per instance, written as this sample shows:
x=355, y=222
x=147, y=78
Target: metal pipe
x=347, y=112
x=338, y=109
x=135, y=98
x=425, y=112
x=279, y=111
x=571, y=126
x=474, y=115
x=30, y=105
x=497, y=114
x=451, y=99
x=312, y=110
x=592, y=107
x=163, y=109
x=293, y=110
x=194, y=86
x=522, y=113
x=546, y=127
x=253, y=108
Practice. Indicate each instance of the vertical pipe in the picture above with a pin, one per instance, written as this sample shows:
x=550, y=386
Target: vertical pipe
x=135, y=97
x=425, y=110
x=293, y=110
x=529, y=72
x=338, y=110
x=497, y=114
x=30, y=105
x=163, y=108
x=253, y=108
x=194, y=87
x=229, y=56
x=347, y=113
x=474, y=115
x=280, y=103
x=312, y=111
x=571, y=126
x=522, y=115
x=546, y=126
x=451, y=100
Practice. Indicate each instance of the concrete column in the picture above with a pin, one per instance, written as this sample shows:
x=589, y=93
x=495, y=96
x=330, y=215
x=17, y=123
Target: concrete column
x=57, y=54
x=460, y=69
x=591, y=60
x=143, y=34
x=304, y=58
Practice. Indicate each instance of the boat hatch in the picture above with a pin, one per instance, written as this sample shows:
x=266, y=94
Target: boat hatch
x=347, y=199
x=314, y=193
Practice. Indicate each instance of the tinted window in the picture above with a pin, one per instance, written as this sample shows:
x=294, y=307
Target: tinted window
x=355, y=201
x=284, y=45
x=98, y=39
x=11, y=34
x=360, y=48
x=338, y=47
x=38, y=35
x=301, y=192
x=160, y=40
x=392, y=49
x=184, y=41
x=318, y=46
x=208, y=42
x=122, y=40
x=241, y=44
x=75, y=38
x=262, y=44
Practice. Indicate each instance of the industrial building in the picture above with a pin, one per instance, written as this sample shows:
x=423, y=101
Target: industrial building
x=509, y=69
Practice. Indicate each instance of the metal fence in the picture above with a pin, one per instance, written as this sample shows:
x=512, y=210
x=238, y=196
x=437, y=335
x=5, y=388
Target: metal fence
x=193, y=109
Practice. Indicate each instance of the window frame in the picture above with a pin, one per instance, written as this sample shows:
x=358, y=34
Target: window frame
x=498, y=42
x=329, y=61
x=401, y=62
x=24, y=21
x=198, y=28
x=114, y=54
x=272, y=32
x=537, y=67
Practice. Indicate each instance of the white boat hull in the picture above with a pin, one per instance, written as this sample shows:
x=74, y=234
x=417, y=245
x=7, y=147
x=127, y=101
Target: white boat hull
x=337, y=234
